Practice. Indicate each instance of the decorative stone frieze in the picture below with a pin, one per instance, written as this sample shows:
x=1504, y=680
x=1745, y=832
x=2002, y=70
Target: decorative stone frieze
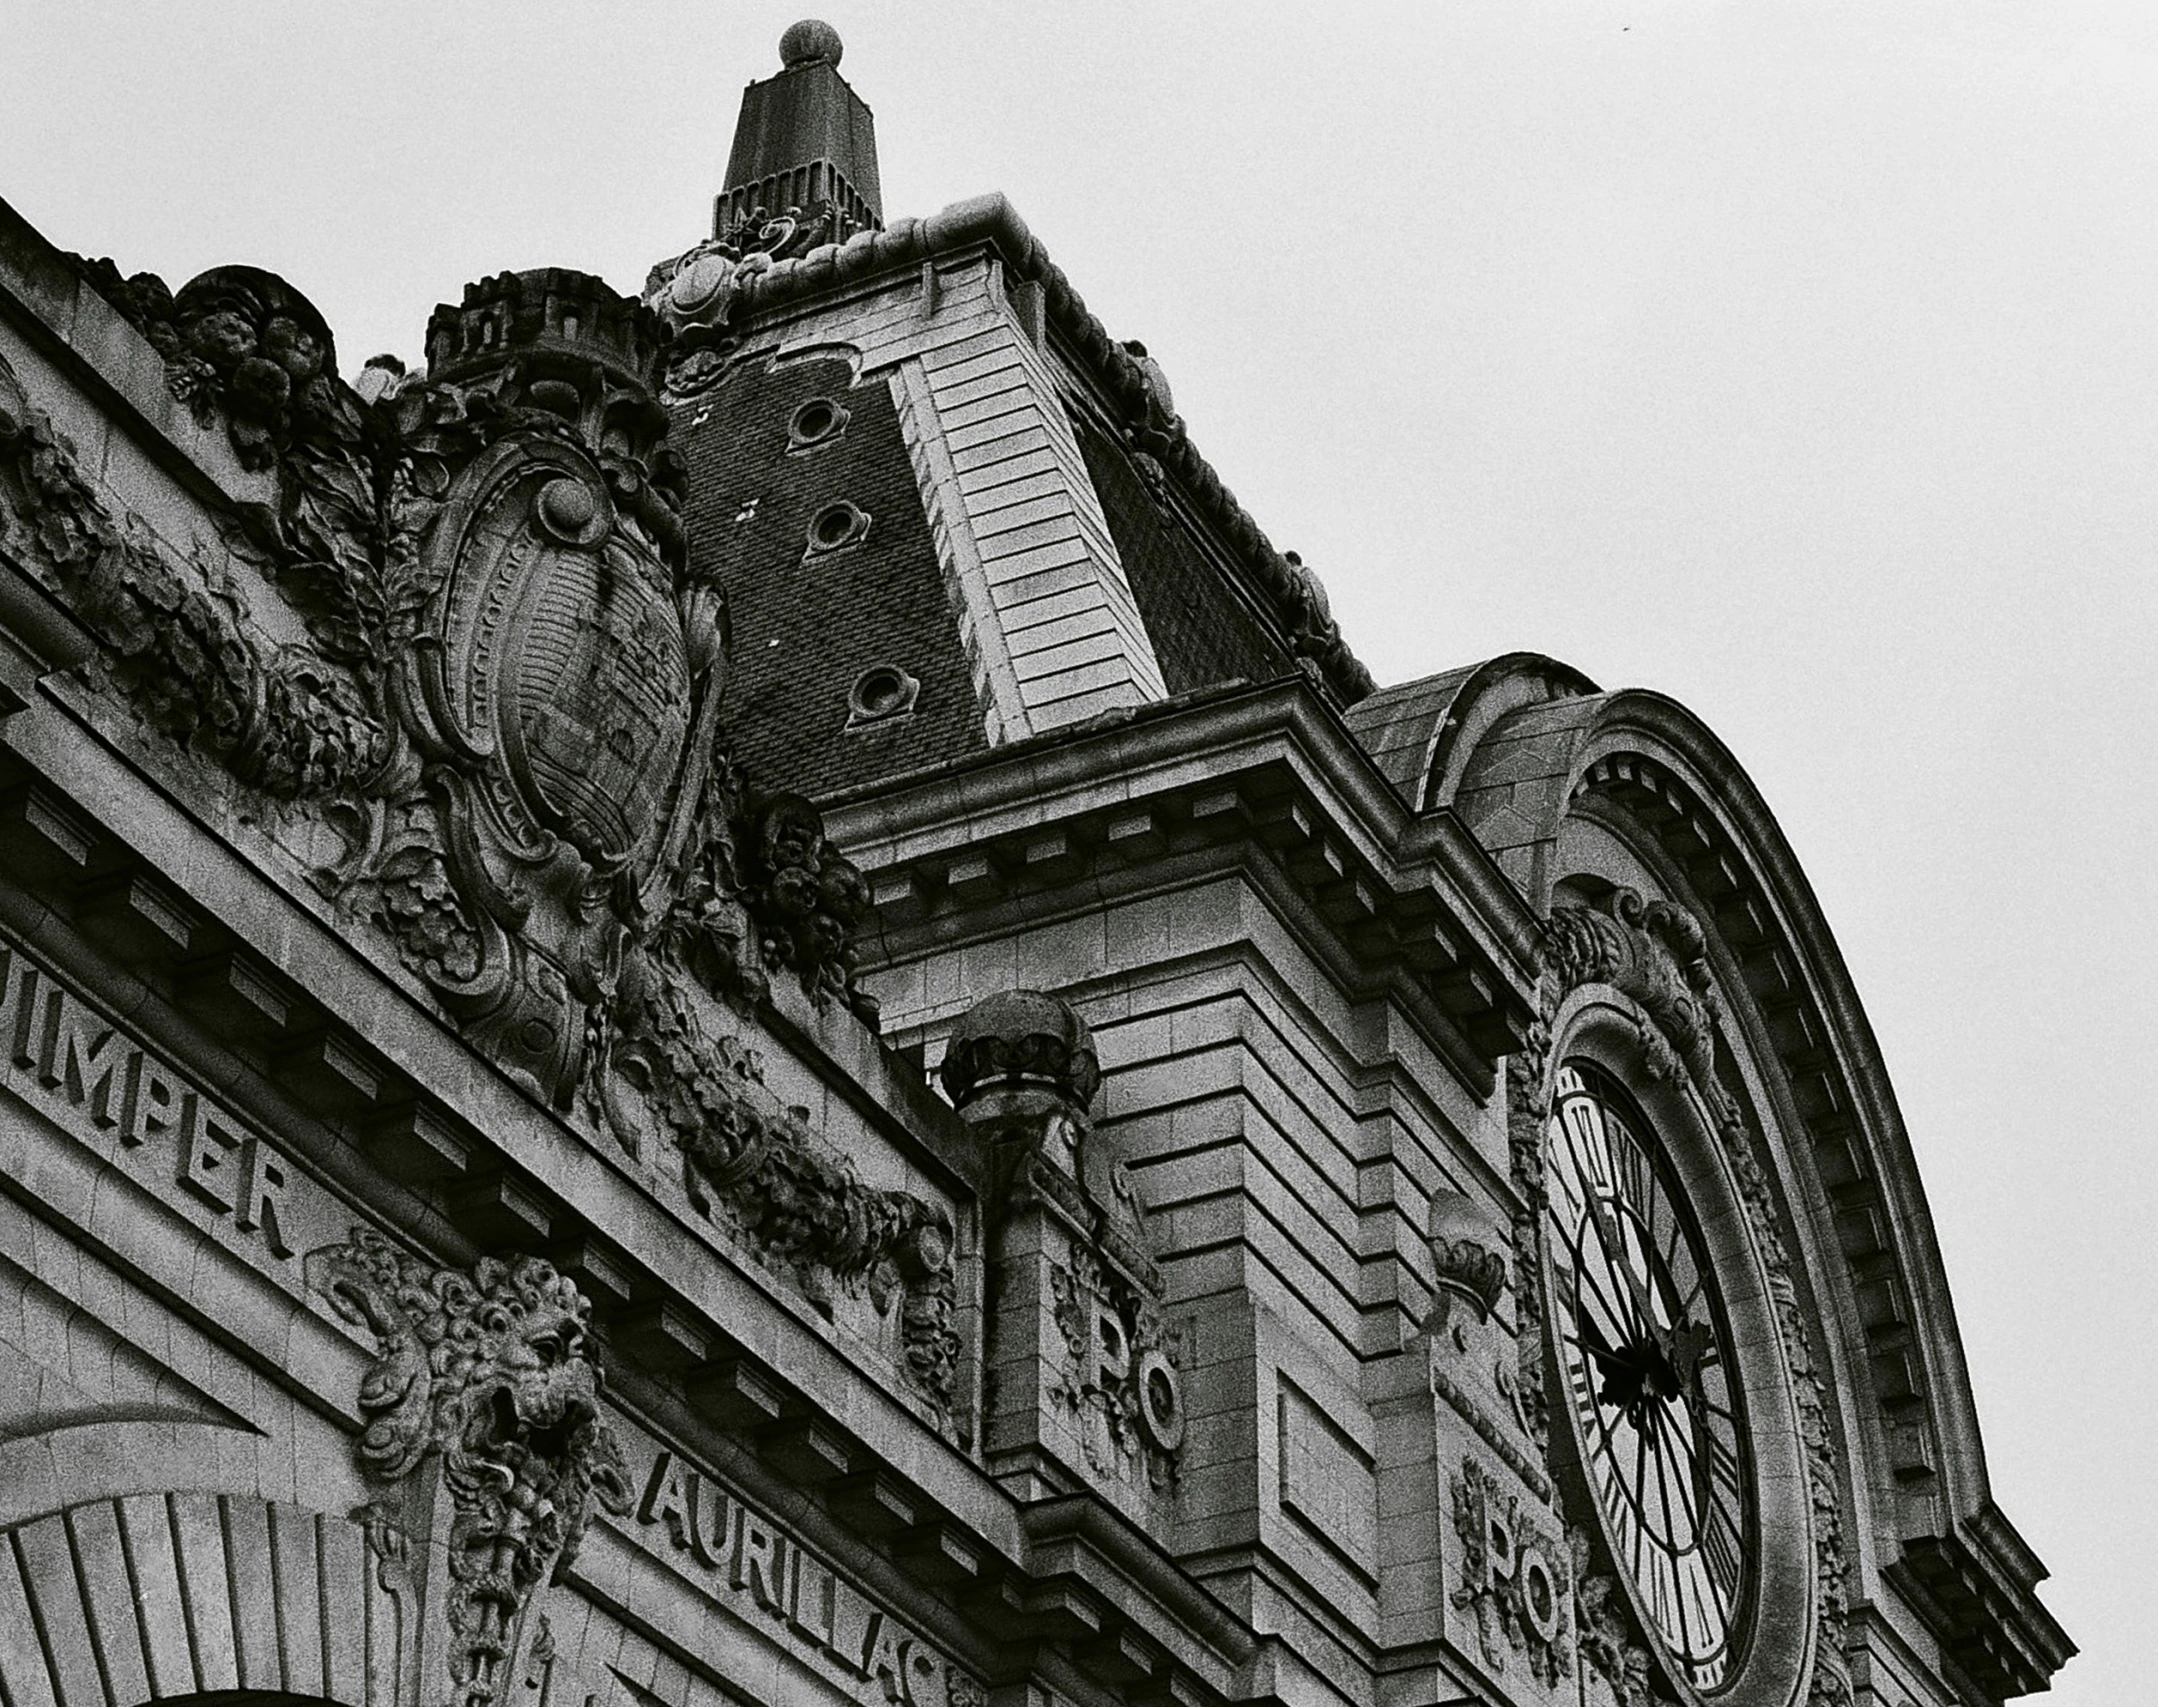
x=176, y=640
x=1606, y=1641
x=483, y=1429
x=807, y=899
x=466, y=649
x=241, y=346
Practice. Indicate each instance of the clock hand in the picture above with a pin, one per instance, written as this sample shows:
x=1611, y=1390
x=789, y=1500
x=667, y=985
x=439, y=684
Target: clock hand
x=1594, y=1343
x=1613, y=1232
x=1687, y=1344
x=1594, y=1286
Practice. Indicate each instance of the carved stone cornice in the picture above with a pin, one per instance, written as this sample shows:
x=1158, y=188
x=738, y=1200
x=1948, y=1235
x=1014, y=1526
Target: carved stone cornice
x=1262, y=780
x=1974, y=1591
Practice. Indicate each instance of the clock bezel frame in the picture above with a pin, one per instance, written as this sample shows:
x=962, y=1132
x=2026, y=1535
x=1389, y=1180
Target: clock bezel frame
x=1772, y=1657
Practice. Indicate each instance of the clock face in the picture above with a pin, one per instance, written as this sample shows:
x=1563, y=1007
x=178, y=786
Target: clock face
x=1645, y=1355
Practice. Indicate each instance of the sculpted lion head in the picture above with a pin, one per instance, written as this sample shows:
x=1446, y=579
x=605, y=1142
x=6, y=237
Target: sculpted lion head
x=493, y=1369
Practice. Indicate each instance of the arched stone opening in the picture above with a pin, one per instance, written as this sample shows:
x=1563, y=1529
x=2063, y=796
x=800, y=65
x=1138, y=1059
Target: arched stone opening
x=197, y=1597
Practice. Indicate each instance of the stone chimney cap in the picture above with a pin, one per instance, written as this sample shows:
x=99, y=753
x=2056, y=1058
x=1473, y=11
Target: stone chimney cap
x=810, y=42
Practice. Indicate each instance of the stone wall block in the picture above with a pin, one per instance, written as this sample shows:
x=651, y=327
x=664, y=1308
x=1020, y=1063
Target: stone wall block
x=294, y=1543
x=169, y=1652
x=344, y=1609
x=48, y=1566
x=101, y=1569
x=254, y=1598
x=22, y=1668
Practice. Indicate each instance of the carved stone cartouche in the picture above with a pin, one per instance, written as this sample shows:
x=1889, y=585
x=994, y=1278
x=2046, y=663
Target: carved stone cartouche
x=562, y=699
x=693, y=294
x=504, y=699
x=1515, y=1578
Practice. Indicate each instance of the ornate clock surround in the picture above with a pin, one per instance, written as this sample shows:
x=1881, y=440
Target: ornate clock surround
x=1773, y=1627
x=1627, y=988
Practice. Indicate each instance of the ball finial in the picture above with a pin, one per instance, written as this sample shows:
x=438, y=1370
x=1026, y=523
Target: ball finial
x=810, y=42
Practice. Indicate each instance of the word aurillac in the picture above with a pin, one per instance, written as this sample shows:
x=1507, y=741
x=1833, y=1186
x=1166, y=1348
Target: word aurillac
x=749, y=1559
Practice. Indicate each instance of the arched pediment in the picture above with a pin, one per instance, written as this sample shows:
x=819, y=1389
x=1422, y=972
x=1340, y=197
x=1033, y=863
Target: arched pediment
x=1544, y=784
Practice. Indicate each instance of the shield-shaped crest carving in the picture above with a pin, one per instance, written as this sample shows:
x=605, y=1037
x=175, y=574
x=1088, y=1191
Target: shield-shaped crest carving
x=568, y=727
x=565, y=659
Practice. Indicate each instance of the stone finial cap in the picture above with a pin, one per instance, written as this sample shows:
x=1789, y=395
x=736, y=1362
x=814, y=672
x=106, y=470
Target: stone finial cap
x=1022, y=1037
x=810, y=42
x=1468, y=1250
x=548, y=311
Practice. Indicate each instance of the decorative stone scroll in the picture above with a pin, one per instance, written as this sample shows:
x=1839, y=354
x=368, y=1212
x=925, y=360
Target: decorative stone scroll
x=484, y=1431
x=1466, y=1257
x=694, y=294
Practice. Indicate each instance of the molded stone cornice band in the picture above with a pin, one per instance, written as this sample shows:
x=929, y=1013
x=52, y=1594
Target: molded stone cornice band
x=1199, y=754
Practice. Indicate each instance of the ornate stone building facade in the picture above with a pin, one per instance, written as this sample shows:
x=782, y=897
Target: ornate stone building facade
x=737, y=1000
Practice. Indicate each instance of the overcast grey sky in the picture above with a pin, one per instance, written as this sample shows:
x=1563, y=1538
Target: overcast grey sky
x=1795, y=360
